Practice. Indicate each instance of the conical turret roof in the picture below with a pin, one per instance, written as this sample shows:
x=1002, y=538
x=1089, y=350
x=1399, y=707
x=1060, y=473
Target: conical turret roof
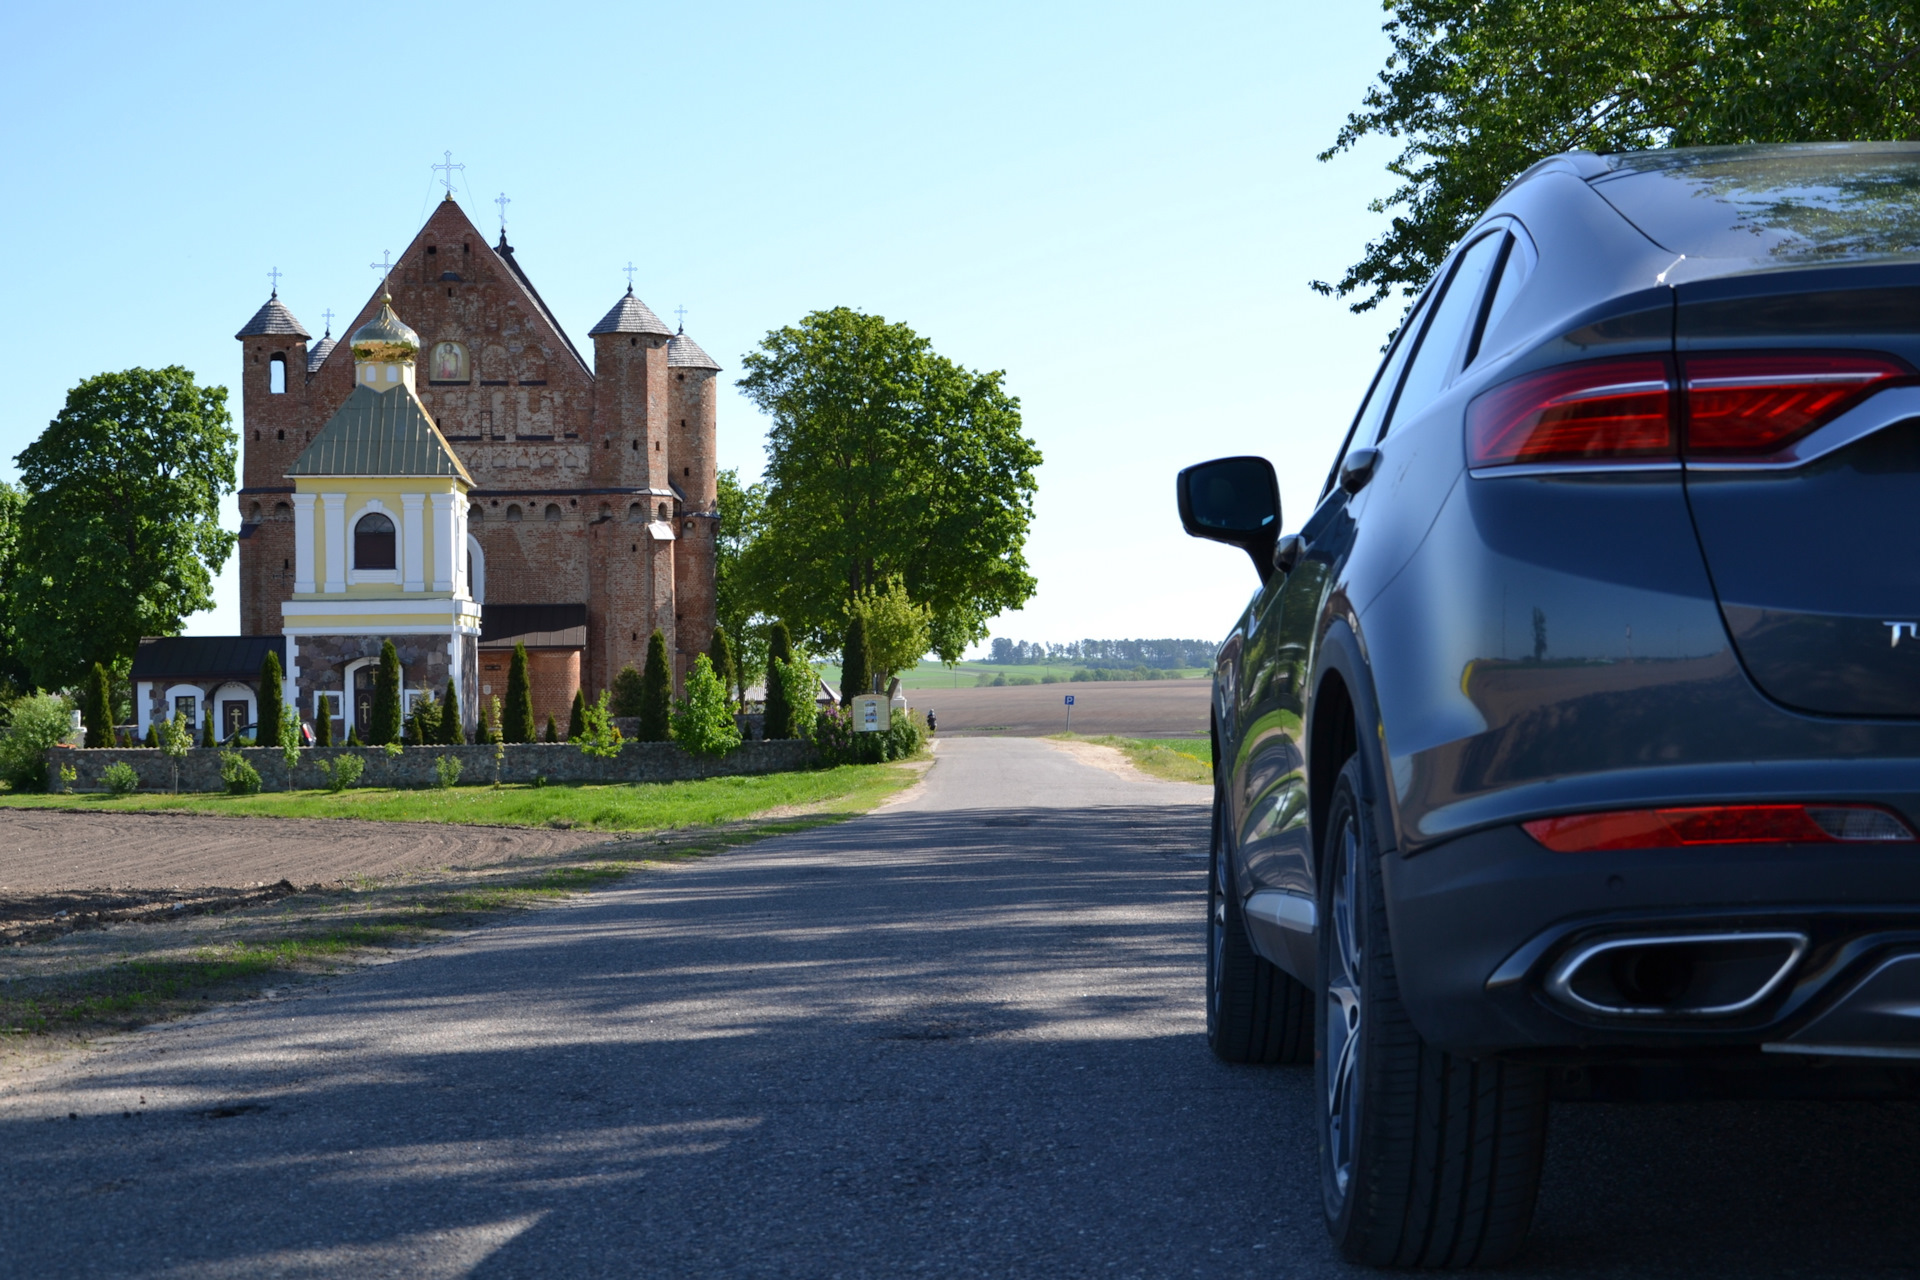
x=683, y=352
x=273, y=320
x=630, y=315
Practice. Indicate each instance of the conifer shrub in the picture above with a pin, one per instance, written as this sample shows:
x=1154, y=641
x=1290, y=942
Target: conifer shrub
x=206, y=729
x=423, y=726
x=553, y=733
x=153, y=734
x=516, y=724
x=272, y=700
x=598, y=736
x=854, y=673
x=777, y=723
x=385, y=726
x=577, y=716
x=323, y=727
x=627, y=689
x=656, y=692
x=453, y=731
x=353, y=736
x=790, y=701
x=98, y=711
x=720, y=654
x=703, y=721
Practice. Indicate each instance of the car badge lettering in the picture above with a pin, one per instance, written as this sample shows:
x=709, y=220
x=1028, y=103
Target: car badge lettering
x=1911, y=630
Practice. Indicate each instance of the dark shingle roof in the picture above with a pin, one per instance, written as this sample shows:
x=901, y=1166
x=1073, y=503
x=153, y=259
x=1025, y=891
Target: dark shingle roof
x=630, y=315
x=193, y=658
x=274, y=320
x=379, y=433
x=318, y=353
x=537, y=626
x=504, y=252
x=685, y=353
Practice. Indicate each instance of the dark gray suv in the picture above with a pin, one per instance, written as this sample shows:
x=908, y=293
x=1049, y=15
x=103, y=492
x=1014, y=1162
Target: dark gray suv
x=1571, y=748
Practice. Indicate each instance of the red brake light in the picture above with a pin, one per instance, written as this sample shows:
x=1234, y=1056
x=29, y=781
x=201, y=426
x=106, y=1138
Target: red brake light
x=1605, y=409
x=1760, y=402
x=1718, y=824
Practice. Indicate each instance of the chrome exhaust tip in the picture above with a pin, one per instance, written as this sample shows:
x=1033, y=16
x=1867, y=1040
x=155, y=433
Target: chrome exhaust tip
x=1678, y=975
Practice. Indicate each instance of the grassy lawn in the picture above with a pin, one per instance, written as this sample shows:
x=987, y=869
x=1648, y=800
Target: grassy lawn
x=1175, y=759
x=643, y=806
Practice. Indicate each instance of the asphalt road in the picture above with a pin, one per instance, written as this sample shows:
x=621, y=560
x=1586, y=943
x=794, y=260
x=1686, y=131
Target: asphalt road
x=962, y=1036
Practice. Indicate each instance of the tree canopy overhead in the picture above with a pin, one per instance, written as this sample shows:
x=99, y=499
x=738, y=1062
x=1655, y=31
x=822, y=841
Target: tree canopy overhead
x=886, y=460
x=120, y=535
x=1479, y=90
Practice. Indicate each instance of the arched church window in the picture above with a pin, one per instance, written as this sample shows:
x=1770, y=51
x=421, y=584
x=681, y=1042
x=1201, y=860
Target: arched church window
x=373, y=542
x=663, y=511
x=476, y=512
x=553, y=511
x=513, y=513
x=636, y=514
x=277, y=374
x=281, y=511
x=449, y=363
x=253, y=512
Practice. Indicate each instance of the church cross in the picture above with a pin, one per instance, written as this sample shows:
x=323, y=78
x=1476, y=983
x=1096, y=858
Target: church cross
x=449, y=166
x=274, y=275
x=385, y=268
x=327, y=315
x=629, y=269
x=681, y=312
x=503, y=202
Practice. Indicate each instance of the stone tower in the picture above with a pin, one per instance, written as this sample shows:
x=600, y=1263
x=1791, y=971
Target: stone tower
x=693, y=415
x=275, y=405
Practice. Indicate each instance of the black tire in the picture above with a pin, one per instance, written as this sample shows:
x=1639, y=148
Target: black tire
x=1256, y=1011
x=1426, y=1159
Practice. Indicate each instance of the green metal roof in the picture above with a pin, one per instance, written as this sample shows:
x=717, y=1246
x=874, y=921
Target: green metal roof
x=379, y=433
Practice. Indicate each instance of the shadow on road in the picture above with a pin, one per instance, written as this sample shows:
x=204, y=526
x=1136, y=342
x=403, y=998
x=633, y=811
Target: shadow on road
x=958, y=1042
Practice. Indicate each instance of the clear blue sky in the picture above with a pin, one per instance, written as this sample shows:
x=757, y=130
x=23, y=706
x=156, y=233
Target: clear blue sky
x=1116, y=204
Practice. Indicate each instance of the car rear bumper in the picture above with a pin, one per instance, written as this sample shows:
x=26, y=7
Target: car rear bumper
x=1493, y=934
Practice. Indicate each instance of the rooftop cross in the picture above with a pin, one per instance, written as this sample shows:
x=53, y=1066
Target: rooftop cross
x=681, y=312
x=629, y=269
x=327, y=315
x=449, y=166
x=274, y=275
x=385, y=268
x=503, y=202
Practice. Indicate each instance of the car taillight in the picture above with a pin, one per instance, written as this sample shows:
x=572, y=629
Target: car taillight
x=1601, y=410
x=1718, y=824
x=1759, y=402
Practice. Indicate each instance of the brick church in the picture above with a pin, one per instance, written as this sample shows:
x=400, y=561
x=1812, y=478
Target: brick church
x=457, y=477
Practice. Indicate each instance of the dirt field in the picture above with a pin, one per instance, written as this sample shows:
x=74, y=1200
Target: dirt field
x=1142, y=709
x=48, y=852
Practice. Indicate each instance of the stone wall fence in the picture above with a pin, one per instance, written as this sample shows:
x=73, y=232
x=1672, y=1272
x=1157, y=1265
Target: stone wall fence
x=414, y=766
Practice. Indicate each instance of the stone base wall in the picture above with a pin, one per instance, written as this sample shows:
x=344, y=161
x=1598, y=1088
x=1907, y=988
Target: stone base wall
x=414, y=766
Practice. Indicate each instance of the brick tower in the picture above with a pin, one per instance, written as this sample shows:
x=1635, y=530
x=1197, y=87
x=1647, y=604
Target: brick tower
x=693, y=416
x=276, y=387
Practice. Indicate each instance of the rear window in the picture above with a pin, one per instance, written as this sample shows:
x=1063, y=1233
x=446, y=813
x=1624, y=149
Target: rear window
x=1831, y=202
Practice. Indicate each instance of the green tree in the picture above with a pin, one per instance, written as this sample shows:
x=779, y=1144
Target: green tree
x=737, y=609
x=626, y=692
x=272, y=701
x=99, y=709
x=423, y=726
x=703, y=722
x=855, y=671
x=323, y=728
x=577, y=716
x=176, y=739
x=385, y=726
x=517, y=721
x=720, y=654
x=598, y=736
x=35, y=724
x=1476, y=91
x=453, y=730
x=896, y=629
x=120, y=535
x=553, y=733
x=206, y=727
x=289, y=744
x=656, y=694
x=885, y=459
x=791, y=705
x=14, y=674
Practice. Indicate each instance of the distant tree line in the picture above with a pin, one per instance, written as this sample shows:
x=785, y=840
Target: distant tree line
x=1112, y=655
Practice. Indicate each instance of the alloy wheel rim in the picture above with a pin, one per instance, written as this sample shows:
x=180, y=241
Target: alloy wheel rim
x=1344, y=1008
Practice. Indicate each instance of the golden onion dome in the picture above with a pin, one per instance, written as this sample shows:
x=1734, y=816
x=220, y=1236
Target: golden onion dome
x=385, y=339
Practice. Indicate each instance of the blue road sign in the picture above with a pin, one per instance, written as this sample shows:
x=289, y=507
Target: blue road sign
x=1069, y=699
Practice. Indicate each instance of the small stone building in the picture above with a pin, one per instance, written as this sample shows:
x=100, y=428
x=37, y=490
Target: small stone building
x=198, y=676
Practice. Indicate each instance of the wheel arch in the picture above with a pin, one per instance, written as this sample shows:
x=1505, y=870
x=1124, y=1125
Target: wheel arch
x=1344, y=720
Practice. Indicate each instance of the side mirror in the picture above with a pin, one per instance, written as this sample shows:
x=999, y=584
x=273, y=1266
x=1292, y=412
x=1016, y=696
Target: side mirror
x=1236, y=501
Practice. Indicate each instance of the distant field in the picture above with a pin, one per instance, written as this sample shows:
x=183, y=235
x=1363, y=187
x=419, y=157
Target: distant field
x=931, y=675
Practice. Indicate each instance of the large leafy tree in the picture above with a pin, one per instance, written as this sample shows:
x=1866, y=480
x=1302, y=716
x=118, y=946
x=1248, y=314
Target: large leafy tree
x=886, y=460
x=1478, y=90
x=13, y=669
x=120, y=537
